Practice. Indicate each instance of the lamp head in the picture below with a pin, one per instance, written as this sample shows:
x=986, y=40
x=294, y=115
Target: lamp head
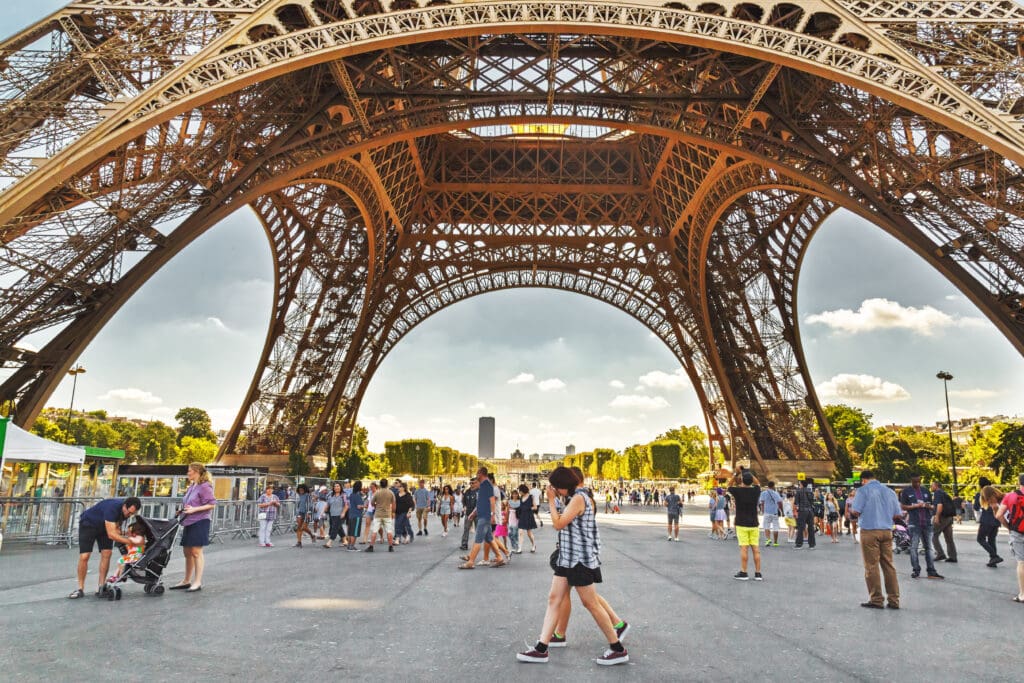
x=943, y=375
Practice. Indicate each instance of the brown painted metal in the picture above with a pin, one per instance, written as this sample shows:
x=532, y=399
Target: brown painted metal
x=674, y=164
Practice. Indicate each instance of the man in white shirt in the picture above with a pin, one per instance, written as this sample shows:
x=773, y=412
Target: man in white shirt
x=535, y=493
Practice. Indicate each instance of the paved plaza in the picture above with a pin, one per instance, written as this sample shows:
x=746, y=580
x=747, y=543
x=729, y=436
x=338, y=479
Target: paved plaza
x=285, y=613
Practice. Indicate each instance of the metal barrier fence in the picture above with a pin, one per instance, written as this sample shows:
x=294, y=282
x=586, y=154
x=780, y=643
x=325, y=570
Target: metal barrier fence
x=55, y=520
x=42, y=520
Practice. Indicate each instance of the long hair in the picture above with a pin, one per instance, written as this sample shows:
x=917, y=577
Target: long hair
x=991, y=496
x=204, y=474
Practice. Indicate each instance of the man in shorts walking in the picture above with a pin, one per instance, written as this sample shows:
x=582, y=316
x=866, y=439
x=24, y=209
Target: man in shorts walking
x=771, y=507
x=383, y=516
x=485, y=515
x=746, y=492
x=674, y=505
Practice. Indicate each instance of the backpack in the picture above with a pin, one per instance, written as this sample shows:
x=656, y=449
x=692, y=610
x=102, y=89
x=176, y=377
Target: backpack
x=948, y=506
x=1017, y=513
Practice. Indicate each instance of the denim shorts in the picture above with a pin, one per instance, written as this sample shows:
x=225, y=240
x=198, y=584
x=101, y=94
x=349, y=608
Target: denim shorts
x=484, y=534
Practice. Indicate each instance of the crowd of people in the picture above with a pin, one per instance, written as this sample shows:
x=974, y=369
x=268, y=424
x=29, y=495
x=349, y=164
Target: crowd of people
x=501, y=520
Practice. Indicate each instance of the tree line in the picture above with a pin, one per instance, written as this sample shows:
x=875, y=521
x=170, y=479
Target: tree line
x=142, y=442
x=996, y=453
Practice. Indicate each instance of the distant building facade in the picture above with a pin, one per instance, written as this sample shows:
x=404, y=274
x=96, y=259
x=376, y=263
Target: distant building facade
x=485, y=446
x=570, y=450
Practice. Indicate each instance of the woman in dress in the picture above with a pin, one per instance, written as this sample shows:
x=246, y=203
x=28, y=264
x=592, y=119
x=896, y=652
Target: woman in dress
x=196, y=510
x=404, y=506
x=527, y=516
x=445, y=504
x=456, y=508
x=577, y=565
x=832, y=517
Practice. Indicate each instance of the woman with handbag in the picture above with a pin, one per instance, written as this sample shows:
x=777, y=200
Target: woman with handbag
x=267, y=507
x=578, y=565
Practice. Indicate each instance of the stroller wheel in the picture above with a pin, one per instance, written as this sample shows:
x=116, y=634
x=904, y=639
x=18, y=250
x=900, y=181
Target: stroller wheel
x=110, y=595
x=158, y=590
x=117, y=593
x=147, y=589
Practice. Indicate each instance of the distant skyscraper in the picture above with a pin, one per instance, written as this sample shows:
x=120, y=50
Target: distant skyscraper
x=570, y=450
x=485, y=451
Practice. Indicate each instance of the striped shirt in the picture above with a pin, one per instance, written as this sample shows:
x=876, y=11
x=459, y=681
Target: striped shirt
x=579, y=542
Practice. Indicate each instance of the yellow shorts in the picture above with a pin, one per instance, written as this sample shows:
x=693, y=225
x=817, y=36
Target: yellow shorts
x=747, y=535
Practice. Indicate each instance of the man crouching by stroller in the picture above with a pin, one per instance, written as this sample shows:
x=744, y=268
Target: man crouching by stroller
x=100, y=526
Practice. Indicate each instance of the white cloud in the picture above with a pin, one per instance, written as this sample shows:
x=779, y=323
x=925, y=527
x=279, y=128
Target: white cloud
x=881, y=314
x=608, y=420
x=657, y=379
x=862, y=387
x=217, y=322
x=132, y=395
x=616, y=384
x=973, y=393
x=522, y=378
x=641, y=403
x=553, y=384
x=954, y=297
x=479, y=405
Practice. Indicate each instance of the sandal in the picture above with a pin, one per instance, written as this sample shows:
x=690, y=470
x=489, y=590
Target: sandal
x=75, y=594
x=180, y=586
x=466, y=565
x=1016, y=598
x=464, y=558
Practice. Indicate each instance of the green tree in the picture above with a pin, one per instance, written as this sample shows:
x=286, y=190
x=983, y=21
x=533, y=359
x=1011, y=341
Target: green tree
x=851, y=426
x=196, y=450
x=666, y=459
x=844, y=462
x=194, y=422
x=1008, y=460
x=298, y=465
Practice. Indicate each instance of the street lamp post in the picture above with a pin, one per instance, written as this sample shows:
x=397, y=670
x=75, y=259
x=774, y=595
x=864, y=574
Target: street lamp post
x=945, y=377
x=74, y=372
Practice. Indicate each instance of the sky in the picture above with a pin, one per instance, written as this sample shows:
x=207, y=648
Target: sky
x=552, y=368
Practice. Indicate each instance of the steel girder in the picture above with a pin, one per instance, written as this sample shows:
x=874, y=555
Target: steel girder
x=699, y=149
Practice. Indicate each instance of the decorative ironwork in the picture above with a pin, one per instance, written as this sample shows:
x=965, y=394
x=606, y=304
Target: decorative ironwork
x=671, y=160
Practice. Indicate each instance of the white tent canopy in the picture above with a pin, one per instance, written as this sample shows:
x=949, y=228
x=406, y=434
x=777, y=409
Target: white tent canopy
x=17, y=444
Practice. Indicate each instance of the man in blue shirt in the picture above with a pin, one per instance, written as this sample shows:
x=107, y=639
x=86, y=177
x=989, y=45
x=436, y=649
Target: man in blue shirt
x=876, y=507
x=100, y=526
x=422, y=497
x=485, y=515
x=917, y=502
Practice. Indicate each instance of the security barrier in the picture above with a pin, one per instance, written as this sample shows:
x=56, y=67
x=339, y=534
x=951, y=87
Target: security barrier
x=55, y=520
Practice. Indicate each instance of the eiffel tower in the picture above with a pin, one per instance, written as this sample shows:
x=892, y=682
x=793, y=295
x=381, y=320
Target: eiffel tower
x=671, y=159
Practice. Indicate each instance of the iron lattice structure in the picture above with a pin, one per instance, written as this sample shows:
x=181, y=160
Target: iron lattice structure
x=671, y=159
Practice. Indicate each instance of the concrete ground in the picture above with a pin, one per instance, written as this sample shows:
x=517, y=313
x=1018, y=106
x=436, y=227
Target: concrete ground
x=283, y=613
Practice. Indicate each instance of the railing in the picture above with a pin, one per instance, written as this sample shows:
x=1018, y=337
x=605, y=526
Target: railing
x=54, y=521
x=42, y=520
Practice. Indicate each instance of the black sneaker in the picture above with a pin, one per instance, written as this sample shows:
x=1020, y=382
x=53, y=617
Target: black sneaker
x=369, y=549
x=391, y=548
x=949, y=561
x=559, y=641
x=611, y=657
x=426, y=533
x=758, y=577
x=621, y=632
x=871, y=605
x=741, y=576
x=419, y=533
x=532, y=657
x=915, y=575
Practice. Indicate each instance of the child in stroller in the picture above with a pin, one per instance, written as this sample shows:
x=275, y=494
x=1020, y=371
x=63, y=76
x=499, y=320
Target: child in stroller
x=900, y=537
x=158, y=538
x=130, y=554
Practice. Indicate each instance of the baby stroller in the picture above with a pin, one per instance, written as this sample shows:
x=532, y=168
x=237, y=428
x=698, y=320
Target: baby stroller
x=900, y=538
x=148, y=569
